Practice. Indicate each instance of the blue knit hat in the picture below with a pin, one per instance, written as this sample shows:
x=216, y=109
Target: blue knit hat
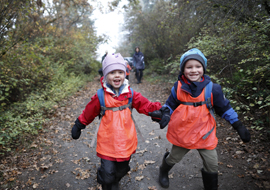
x=193, y=54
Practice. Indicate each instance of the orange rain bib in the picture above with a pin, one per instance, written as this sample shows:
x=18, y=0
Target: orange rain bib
x=117, y=137
x=189, y=124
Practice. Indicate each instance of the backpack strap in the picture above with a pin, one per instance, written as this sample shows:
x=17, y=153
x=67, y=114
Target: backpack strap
x=207, y=98
x=130, y=99
x=103, y=108
x=101, y=99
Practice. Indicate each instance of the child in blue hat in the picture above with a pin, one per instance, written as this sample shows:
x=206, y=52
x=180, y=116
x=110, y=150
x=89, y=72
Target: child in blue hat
x=191, y=121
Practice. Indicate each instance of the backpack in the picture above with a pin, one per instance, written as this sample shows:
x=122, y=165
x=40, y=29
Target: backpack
x=207, y=101
x=101, y=99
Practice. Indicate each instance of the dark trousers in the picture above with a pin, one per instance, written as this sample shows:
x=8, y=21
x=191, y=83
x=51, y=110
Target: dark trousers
x=139, y=74
x=127, y=77
x=111, y=171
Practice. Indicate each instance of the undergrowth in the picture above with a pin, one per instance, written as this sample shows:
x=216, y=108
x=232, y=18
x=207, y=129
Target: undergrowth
x=24, y=119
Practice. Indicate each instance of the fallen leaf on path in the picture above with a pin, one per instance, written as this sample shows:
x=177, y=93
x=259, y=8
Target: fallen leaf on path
x=42, y=168
x=259, y=171
x=44, y=176
x=229, y=166
x=83, y=174
x=152, y=188
x=141, y=167
x=35, y=185
x=157, y=137
x=239, y=152
x=76, y=161
x=11, y=179
x=29, y=182
x=149, y=162
x=141, y=151
x=139, y=178
x=33, y=145
x=53, y=171
x=59, y=161
x=68, y=185
x=86, y=159
x=54, y=151
x=256, y=166
x=156, y=144
x=171, y=175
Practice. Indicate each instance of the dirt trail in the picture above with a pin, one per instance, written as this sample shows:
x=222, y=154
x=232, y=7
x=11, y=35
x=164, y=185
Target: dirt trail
x=55, y=161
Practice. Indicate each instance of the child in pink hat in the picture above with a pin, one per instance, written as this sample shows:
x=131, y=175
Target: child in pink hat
x=116, y=138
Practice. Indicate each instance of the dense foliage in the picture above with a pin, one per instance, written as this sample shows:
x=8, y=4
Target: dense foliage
x=234, y=35
x=47, y=52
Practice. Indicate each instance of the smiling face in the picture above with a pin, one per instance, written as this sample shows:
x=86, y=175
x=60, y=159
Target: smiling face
x=116, y=78
x=193, y=70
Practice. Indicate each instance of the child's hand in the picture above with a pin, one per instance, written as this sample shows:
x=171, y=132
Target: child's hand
x=166, y=116
x=156, y=115
x=161, y=116
x=76, y=129
x=75, y=132
x=242, y=131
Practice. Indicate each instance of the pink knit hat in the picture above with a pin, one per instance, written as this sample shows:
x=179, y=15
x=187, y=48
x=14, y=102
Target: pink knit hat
x=113, y=62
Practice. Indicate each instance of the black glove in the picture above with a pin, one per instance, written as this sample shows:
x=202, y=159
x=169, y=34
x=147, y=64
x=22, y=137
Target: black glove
x=155, y=115
x=166, y=116
x=242, y=131
x=76, y=129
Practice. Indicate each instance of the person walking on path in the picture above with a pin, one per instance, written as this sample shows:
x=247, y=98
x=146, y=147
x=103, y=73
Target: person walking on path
x=138, y=63
x=191, y=121
x=128, y=70
x=116, y=137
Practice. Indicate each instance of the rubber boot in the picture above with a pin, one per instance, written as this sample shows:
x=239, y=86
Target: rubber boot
x=210, y=180
x=115, y=186
x=163, y=172
x=106, y=186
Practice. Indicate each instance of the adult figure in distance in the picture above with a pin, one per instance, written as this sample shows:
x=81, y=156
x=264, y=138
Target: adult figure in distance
x=138, y=63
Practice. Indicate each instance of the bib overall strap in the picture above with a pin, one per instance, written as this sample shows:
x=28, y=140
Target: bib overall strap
x=120, y=108
x=195, y=104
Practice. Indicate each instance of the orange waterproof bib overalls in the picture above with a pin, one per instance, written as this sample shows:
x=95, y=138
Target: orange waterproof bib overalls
x=117, y=137
x=189, y=124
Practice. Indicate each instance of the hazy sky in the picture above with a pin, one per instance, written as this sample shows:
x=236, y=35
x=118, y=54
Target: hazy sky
x=108, y=23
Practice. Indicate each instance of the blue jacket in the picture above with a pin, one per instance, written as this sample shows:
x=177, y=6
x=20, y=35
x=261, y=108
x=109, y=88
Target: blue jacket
x=222, y=105
x=138, y=60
